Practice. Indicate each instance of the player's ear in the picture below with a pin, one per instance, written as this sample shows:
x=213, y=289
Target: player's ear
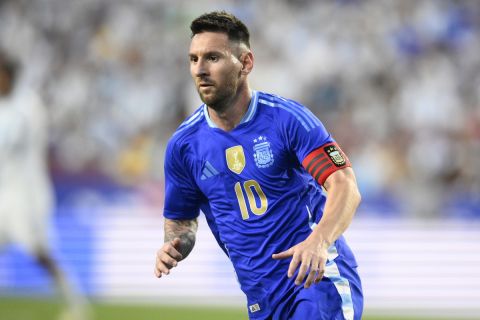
x=247, y=60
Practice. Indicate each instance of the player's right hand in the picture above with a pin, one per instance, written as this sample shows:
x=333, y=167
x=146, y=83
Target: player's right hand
x=167, y=257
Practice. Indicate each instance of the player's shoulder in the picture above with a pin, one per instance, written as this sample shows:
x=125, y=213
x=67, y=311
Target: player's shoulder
x=189, y=126
x=180, y=143
x=288, y=110
x=280, y=104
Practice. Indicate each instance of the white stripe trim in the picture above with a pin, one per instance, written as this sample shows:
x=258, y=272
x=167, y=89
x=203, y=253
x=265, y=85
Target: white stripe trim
x=307, y=112
x=297, y=109
x=192, y=118
x=311, y=223
x=190, y=122
x=268, y=103
x=252, y=108
x=295, y=114
x=343, y=288
x=211, y=124
x=333, y=273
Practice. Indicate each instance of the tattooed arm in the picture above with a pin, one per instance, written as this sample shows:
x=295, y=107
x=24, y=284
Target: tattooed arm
x=179, y=242
x=185, y=230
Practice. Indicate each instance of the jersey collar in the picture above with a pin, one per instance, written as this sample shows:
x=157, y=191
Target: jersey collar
x=252, y=108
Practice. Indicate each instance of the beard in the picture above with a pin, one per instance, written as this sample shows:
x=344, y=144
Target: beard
x=218, y=97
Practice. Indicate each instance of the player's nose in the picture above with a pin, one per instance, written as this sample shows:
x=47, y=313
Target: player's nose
x=200, y=69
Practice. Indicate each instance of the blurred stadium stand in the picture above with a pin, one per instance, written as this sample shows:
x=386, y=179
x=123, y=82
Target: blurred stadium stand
x=396, y=82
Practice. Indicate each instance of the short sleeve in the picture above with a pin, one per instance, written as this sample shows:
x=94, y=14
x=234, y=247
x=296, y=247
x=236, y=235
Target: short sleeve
x=182, y=196
x=313, y=146
x=304, y=131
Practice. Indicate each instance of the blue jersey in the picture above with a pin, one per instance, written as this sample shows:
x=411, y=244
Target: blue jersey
x=250, y=183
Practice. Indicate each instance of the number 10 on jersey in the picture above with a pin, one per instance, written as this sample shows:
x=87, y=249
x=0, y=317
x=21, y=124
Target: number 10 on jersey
x=253, y=190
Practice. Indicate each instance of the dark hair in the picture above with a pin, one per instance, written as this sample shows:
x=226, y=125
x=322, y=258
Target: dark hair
x=221, y=21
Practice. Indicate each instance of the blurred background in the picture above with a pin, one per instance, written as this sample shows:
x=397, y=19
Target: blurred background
x=397, y=83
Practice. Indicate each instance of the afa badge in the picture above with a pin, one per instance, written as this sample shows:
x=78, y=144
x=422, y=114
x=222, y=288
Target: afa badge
x=254, y=308
x=235, y=159
x=263, y=152
x=335, y=155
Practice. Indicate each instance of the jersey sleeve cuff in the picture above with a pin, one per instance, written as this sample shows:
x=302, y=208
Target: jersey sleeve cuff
x=180, y=215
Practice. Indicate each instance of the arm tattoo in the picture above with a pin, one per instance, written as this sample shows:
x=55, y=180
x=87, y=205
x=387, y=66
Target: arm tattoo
x=183, y=229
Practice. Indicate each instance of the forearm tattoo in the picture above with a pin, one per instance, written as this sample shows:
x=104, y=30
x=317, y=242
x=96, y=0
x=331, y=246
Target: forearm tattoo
x=183, y=229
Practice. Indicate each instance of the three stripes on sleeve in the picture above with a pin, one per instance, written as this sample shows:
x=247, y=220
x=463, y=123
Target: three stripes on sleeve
x=322, y=162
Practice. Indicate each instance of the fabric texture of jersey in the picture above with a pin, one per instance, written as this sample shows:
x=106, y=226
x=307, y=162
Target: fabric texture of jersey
x=255, y=194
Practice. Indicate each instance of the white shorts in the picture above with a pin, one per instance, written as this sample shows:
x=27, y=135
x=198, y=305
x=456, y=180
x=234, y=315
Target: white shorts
x=25, y=218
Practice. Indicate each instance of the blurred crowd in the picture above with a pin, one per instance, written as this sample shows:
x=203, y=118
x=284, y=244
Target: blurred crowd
x=396, y=82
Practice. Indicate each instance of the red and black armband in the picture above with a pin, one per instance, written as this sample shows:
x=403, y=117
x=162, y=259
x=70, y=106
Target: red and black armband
x=324, y=161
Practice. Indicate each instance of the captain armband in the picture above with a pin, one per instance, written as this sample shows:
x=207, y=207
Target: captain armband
x=324, y=161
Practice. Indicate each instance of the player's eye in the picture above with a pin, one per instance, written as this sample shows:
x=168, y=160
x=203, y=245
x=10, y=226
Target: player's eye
x=193, y=59
x=213, y=58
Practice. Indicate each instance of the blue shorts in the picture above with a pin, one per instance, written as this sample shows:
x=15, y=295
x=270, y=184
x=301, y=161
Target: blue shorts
x=337, y=297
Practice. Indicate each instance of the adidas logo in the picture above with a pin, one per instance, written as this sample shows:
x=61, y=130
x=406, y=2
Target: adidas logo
x=208, y=171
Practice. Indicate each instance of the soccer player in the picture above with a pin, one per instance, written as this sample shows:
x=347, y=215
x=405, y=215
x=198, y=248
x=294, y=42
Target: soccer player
x=25, y=188
x=255, y=164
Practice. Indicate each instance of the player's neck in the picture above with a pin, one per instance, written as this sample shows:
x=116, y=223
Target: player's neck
x=228, y=118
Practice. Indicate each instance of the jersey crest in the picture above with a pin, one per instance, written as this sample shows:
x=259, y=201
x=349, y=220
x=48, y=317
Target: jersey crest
x=235, y=159
x=263, y=152
x=335, y=155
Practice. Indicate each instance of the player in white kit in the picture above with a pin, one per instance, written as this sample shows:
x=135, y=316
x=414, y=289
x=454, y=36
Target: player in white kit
x=26, y=197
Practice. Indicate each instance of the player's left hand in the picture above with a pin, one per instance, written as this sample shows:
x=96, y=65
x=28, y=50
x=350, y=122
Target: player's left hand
x=311, y=255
